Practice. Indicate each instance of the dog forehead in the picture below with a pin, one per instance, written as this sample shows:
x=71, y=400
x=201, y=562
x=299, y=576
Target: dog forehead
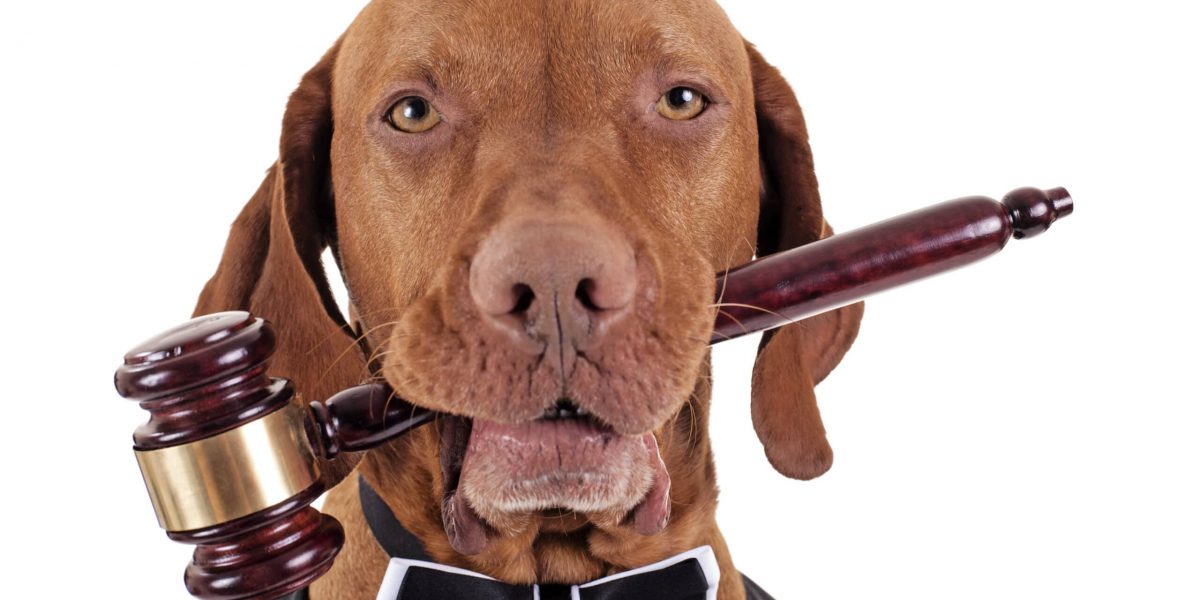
x=486, y=46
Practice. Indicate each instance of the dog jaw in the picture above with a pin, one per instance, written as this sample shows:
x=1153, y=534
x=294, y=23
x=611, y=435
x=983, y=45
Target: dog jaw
x=493, y=471
x=502, y=462
x=539, y=465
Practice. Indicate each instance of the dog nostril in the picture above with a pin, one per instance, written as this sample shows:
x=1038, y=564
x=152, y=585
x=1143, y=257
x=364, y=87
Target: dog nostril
x=524, y=295
x=584, y=292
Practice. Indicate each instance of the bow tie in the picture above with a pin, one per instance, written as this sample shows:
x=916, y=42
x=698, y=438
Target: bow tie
x=692, y=575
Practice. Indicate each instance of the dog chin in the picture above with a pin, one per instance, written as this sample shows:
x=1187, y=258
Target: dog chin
x=497, y=473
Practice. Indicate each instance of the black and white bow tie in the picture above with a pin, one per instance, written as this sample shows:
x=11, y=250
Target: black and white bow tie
x=692, y=575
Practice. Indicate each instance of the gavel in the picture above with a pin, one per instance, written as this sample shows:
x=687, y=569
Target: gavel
x=231, y=462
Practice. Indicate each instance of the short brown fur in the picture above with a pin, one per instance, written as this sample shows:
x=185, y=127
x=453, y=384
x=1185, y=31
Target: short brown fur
x=546, y=113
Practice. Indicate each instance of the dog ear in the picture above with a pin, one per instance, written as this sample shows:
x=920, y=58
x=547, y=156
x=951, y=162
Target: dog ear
x=272, y=260
x=795, y=358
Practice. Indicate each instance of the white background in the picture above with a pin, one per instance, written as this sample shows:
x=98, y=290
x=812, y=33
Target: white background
x=1027, y=427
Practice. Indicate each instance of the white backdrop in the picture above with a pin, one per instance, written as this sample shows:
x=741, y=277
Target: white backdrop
x=1028, y=427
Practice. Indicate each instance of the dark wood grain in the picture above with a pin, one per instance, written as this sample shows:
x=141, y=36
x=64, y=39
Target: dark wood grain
x=198, y=380
x=201, y=378
x=266, y=555
x=363, y=417
x=267, y=562
x=843, y=269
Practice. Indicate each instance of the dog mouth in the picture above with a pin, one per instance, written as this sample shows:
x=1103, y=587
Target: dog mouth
x=566, y=461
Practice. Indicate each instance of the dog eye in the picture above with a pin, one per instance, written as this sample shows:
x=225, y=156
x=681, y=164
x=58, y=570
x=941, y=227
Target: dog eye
x=413, y=114
x=681, y=104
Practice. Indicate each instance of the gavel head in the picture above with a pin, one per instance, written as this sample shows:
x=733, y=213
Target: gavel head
x=229, y=459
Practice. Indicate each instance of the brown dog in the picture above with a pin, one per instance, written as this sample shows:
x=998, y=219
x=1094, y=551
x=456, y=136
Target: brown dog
x=529, y=202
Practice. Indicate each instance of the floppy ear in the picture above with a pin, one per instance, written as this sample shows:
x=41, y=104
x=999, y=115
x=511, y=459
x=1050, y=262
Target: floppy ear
x=272, y=260
x=793, y=359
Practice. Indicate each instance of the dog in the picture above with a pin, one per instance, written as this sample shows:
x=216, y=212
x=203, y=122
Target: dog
x=529, y=203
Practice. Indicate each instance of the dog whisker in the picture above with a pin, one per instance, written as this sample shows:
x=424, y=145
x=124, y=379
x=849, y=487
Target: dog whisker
x=375, y=359
x=388, y=402
x=326, y=337
x=376, y=354
x=750, y=246
x=753, y=307
x=734, y=319
x=725, y=276
x=353, y=344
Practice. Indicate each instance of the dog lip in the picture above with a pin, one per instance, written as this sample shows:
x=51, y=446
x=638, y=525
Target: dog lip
x=455, y=433
x=466, y=531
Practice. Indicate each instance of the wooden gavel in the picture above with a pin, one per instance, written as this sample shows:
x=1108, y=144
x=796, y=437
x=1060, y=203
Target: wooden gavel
x=232, y=464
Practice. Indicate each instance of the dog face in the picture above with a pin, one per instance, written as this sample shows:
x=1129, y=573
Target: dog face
x=529, y=205
x=517, y=247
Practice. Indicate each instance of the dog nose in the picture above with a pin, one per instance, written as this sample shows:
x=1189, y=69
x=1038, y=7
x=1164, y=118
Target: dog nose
x=554, y=281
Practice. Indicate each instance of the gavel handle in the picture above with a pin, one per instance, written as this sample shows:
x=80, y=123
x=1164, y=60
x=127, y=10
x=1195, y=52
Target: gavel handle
x=363, y=417
x=842, y=269
x=773, y=291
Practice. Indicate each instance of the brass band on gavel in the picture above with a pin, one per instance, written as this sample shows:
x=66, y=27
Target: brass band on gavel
x=232, y=474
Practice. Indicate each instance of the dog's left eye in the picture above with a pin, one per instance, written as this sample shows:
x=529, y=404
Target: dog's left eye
x=413, y=114
x=681, y=104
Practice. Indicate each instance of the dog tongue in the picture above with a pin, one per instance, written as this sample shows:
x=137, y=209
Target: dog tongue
x=651, y=515
x=465, y=528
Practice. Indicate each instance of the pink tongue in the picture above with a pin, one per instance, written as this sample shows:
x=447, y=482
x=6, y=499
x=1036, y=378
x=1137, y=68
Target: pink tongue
x=468, y=534
x=651, y=515
x=465, y=528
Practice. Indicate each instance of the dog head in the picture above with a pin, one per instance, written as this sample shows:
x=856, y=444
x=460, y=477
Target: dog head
x=529, y=206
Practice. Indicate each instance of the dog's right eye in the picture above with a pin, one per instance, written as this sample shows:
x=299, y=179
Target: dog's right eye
x=681, y=104
x=413, y=114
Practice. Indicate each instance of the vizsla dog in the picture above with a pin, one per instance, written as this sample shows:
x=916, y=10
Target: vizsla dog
x=529, y=202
